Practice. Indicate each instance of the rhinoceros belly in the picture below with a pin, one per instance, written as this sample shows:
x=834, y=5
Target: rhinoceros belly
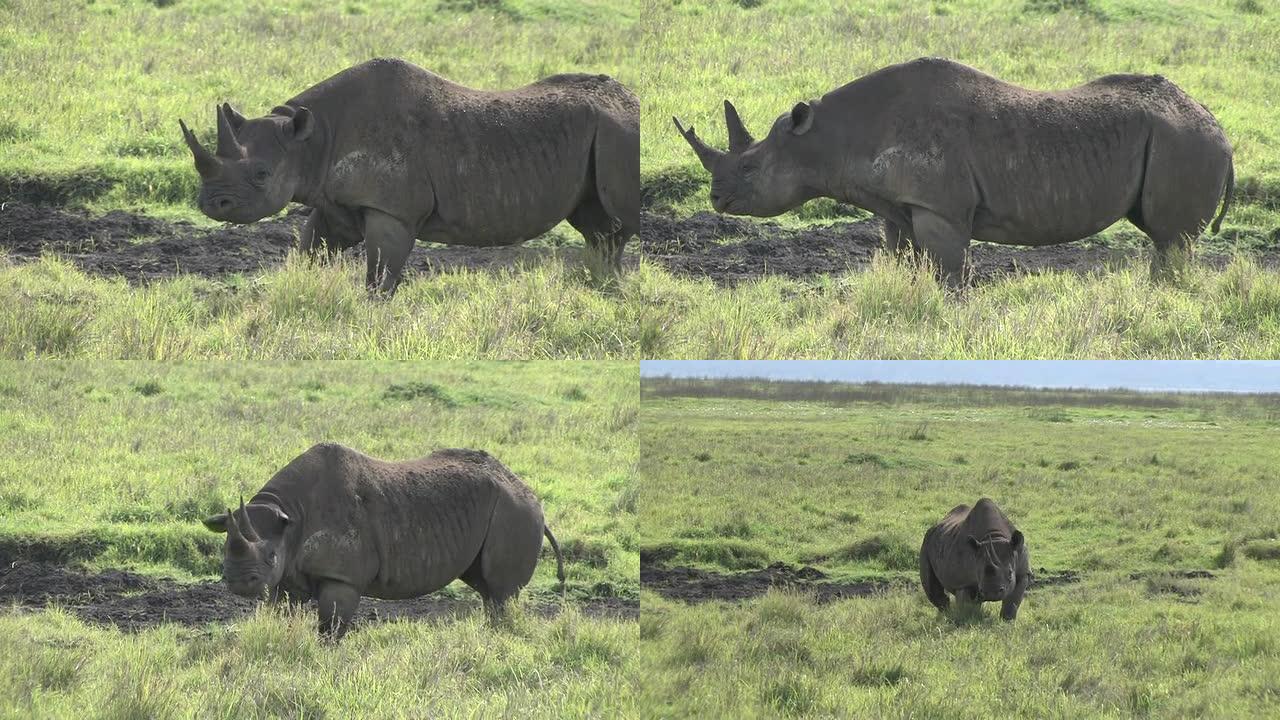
x=1063, y=184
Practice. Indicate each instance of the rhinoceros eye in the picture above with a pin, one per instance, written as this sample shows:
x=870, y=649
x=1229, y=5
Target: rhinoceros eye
x=261, y=175
x=271, y=559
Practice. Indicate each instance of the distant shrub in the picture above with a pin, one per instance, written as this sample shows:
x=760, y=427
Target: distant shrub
x=867, y=458
x=702, y=456
x=1069, y=465
x=921, y=432
x=431, y=392
x=1082, y=7
x=1227, y=557
x=1250, y=7
x=148, y=388
x=1262, y=550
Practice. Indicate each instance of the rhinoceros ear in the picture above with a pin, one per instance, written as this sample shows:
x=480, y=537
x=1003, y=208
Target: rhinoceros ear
x=217, y=523
x=303, y=124
x=1015, y=541
x=801, y=118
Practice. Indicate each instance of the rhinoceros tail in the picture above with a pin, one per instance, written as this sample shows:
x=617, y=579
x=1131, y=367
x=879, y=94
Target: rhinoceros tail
x=559, y=558
x=1226, y=196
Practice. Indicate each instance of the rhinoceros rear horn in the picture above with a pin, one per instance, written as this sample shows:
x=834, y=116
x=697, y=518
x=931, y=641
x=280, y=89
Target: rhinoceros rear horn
x=249, y=533
x=236, y=542
x=206, y=163
x=228, y=146
x=739, y=138
x=706, y=155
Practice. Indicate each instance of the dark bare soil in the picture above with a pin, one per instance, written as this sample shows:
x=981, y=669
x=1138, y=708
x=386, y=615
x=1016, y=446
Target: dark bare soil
x=729, y=250
x=693, y=585
x=142, y=248
x=133, y=602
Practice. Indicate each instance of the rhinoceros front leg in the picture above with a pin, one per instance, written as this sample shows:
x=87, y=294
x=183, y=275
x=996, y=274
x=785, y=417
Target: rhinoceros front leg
x=337, y=602
x=387, y=244
x=1009, y=610
x=943, y=240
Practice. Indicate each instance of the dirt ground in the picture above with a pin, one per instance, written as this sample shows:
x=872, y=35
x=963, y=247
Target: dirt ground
x=132, y=602
x=142, y=248
x=729, y=250
x=694, y=585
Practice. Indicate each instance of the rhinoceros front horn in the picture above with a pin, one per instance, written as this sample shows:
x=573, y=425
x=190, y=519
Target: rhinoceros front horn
x=206, y=163
x=739, y=138
x=707, y=155
x=228, y=146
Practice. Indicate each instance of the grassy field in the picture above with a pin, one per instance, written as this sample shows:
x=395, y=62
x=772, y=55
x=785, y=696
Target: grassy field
x=1107, y=490
x=114, y=464
x=765, y=56
x=304, y=311
x=126, y=70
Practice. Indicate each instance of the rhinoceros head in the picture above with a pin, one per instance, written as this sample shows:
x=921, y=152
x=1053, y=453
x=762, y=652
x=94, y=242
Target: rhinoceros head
x=258, y=167
x=253, y=558
x=762, y=178
x=999, y=564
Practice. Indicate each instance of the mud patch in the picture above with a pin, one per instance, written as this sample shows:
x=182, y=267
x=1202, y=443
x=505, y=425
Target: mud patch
x=141, y=248
x=729, y=250
x=693, y=585
x=133, y=602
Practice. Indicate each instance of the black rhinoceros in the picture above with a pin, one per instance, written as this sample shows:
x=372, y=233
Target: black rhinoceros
x=335, y=524
x=945, y=153
x=386, y=152
x=976, y=554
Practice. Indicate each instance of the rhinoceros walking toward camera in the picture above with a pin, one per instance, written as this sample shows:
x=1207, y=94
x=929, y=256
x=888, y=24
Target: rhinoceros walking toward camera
x=386, y=152
x=977, y=555
x=945, y=153
x=335, y=524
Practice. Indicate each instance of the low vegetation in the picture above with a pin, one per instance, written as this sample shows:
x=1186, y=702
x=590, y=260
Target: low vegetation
x=1163, y=511
x=765, y=56
x=112, y=465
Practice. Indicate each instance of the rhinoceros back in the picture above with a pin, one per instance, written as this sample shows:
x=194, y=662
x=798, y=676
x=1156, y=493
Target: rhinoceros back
x=467, y=166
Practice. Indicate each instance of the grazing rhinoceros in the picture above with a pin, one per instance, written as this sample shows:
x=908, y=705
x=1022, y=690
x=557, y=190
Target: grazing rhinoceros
x=977, y=555
x=386, y=152
x=335, y=524
x=945, y=153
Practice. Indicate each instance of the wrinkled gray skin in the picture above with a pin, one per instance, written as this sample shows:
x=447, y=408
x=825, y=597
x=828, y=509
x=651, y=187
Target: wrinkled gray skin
x=386, y=152
x=977, y=555
x=335, y=524
x=945, y=153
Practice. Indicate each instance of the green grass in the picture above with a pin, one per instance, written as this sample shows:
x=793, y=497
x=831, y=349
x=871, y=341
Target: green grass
x=765, y=56
x=895, y=311
x=272, y=665
x=126, y=70
x=850, y=488
x=114, y=465
x=545, y=309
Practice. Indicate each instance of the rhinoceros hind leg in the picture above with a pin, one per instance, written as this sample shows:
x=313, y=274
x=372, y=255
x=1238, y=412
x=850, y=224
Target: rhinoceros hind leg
x=387, y=244
x=509, y=554
x=337, y=602
x=605, y=235
x=943, y=241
